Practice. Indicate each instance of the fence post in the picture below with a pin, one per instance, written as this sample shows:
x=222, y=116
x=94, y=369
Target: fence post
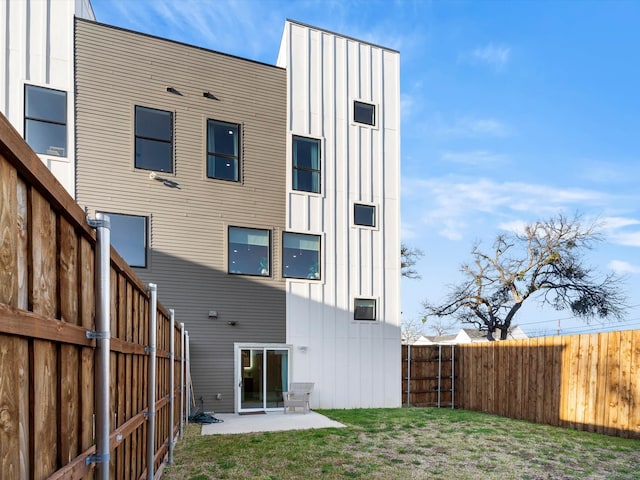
x=439, y=372
x=102, y=336
x=172, y=386
x=182, y=382
x=408, y=375
x=453, y=376
x=151, y=381
x=188, y=376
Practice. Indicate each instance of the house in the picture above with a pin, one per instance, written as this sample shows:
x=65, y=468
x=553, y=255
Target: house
x=467, y=335
x=263, y=200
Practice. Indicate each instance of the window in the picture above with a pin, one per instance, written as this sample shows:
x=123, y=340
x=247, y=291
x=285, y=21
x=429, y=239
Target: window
x=129, y=238
x=154, y=139
x=223, y=146
x=364, y=215
x=364, y=113
x=249, y=251
x=364, y=309
x=45, y=120
x=306, y=164
x=300, y=256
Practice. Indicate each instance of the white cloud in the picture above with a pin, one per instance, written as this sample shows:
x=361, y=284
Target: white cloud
x=620, y=267
x=495, y=56
x=515, y=226
x=474, y=127
x=618, y=231
x=452, y=205
x=478, y=157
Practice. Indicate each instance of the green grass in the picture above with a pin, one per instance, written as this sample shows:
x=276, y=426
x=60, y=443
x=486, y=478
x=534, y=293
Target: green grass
x=416, y=443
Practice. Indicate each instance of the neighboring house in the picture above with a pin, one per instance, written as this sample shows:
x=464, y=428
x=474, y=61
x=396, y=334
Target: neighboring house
x=467, y=335
x=262, y=199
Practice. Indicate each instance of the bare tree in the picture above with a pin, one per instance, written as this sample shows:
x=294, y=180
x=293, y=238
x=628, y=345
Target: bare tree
x=544, y=262
x=412, y=330
x=442, y=326
x=409, y=257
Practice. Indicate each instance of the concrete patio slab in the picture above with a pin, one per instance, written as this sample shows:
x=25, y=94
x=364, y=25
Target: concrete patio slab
x=268, y=422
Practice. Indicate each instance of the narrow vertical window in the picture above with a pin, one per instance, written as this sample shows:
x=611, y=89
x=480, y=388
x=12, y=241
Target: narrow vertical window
x=249, y=251
x=300, y=256
x=154, y=139
x=223, y=146
x=129, y=238
x=306, y=164
x=364, y=113
x=45, y=120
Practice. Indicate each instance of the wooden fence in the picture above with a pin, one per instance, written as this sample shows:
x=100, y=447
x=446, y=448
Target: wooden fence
x=47, y=306
x=428, y=375
x=586, y=382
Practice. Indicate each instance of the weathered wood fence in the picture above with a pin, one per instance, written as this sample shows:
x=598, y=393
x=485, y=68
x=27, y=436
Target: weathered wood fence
x=428, y=375
x=586, y=382
x=47, y=309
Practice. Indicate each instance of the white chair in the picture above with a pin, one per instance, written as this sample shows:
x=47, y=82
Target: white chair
x=297, y=396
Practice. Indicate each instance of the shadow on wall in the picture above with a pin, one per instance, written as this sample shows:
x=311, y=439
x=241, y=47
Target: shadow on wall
x=247, y=309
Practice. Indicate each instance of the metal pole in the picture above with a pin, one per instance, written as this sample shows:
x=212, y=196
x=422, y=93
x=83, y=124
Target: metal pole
x=151, y=381
x=172, y=386
x=408, y=375
x=453, y=376
x=188, y=376
x=439, y=372
x=182, y=382
x=102, y=336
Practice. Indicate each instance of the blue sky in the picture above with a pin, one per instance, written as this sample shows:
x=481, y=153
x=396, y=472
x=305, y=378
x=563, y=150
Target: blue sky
x=511, y=112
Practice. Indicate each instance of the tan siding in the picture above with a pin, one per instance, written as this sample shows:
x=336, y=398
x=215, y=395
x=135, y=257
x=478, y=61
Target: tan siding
x=117, y=70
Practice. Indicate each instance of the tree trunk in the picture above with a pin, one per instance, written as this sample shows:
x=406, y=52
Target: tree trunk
x=490, y=333
x=504, y=332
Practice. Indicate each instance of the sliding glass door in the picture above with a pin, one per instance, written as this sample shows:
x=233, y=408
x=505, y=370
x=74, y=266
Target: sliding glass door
x=263, y=374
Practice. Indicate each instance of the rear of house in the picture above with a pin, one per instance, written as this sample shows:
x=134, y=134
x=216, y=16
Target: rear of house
x=263, y=200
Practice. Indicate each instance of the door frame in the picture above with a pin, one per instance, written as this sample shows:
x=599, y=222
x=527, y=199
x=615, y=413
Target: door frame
x=237, y=371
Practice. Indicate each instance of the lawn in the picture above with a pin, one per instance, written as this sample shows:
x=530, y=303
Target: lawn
x=420, y=443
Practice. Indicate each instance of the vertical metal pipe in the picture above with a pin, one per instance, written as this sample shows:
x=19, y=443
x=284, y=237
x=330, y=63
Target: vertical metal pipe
x=172, y=386
x=439, y=372
x=103, y=344
x=188, y=375
x=151, y=381
x=182, y=380
x=408, y=375
x=453, y=376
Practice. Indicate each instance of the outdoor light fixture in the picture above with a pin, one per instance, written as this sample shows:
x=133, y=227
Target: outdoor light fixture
x=209, y=95
x=173, y=90
x=213, y=314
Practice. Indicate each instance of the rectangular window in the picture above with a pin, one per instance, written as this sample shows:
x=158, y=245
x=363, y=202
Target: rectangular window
x=364, y=215
x=129, y=238
x=300, y=256
x=223, y=146
x=364, y=113
x=249, y=251
x=154, y=139
x=45, y=120
x=306, y=164
x=364, y=309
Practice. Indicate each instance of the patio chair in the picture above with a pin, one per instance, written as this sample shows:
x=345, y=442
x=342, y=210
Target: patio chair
x=297, y=396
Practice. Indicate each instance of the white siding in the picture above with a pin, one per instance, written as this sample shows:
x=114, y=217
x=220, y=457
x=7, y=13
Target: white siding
x=36, y=48
x=353, y=364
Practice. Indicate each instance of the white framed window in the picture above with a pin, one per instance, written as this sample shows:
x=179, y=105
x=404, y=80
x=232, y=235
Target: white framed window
x=306, y=161
x=249, y=251
x=364, y=113
x=223, y=150
x=301, y=256
x=365, y=309
x=45, y=120
x=364, y=215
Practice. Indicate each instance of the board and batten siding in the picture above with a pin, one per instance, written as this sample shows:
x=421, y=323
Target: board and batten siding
x=352, y=363
x=36, y=48
x=115, y=71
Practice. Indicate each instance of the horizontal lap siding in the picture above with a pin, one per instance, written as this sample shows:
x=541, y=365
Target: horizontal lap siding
x=117, y=70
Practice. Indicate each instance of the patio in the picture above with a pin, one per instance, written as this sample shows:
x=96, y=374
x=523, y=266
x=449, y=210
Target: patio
x=267, y=422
